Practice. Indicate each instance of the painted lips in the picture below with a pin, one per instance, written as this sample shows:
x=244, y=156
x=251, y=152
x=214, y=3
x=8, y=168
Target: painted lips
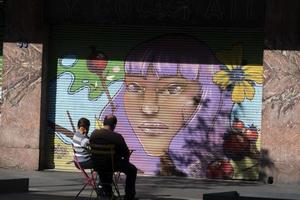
x=152, y=127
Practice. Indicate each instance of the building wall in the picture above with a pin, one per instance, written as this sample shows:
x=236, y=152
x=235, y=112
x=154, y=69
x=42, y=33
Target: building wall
x=23, y=83
x=22, y=70
x=280, y=129
x=281, y=92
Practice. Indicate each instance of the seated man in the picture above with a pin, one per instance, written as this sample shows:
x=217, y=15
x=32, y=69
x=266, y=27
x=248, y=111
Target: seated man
x=106, y=135
x=81, y=142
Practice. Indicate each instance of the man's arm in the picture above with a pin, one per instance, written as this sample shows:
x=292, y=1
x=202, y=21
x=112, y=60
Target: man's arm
x=124, y=150
x=85, y=143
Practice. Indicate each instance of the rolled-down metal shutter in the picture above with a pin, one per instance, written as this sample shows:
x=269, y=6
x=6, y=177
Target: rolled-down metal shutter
x=188, y=100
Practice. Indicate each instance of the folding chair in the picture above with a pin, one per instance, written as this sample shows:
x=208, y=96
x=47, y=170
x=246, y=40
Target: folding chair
x=117, y=174
x=90, y=178
x=103, y=158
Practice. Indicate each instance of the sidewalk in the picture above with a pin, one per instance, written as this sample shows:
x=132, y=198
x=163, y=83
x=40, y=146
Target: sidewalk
x=55, y=185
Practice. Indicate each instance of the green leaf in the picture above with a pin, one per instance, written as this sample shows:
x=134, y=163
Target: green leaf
x=114, y=71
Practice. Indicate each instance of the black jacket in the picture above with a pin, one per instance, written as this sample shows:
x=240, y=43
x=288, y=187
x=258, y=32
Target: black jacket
x=104, y=136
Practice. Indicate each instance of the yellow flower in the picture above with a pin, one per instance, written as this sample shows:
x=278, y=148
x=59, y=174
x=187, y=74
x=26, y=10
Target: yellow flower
x=240, y=79
x=99, y=123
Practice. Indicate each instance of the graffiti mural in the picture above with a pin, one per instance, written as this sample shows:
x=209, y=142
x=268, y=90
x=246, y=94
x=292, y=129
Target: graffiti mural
x=185, y=107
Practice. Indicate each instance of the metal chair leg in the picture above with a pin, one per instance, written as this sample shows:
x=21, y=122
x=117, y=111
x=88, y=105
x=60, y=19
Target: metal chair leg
x=116, y=188
x=80, y=191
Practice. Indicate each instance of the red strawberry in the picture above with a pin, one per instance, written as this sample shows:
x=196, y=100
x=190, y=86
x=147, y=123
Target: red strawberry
x=251, y=133
x=237, y=124
x=220, y=169
x=213, y=170
x=236, y=146
x=227, y=169
x=97, y=62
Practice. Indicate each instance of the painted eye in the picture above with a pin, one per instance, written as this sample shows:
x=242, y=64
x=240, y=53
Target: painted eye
x=135, y=88
x=172, y=89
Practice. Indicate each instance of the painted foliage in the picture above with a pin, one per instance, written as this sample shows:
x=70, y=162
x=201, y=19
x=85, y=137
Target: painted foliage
x=187, y=106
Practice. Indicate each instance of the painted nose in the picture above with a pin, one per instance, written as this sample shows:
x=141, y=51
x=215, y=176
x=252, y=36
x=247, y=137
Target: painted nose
x=149, y=106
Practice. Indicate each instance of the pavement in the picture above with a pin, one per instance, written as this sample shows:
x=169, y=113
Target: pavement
x=57, y=185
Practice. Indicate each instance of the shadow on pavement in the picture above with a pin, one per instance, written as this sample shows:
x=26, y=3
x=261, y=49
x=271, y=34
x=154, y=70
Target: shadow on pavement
x=34, y=196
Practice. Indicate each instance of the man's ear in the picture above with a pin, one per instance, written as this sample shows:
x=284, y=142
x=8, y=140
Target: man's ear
x=112, y=127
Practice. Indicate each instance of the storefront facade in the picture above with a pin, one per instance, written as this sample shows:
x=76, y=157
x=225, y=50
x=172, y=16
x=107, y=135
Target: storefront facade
x=184, y=78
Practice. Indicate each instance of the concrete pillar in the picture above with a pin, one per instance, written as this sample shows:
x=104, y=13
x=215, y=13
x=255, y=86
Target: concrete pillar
x=20, y=124
x=281, y=93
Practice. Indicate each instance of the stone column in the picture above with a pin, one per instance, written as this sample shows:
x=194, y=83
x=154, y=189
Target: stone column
x=22, y=84
x=281, y=93
x=281, y=115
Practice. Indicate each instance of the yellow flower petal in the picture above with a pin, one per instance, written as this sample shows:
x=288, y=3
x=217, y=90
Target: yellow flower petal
x=221, y=78
x=238, y=94
x=254, y=73
x=98, y=124
x=249, y=90
x=231, y=67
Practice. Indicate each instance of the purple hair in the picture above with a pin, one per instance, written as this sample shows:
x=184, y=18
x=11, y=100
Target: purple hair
x=201, y=139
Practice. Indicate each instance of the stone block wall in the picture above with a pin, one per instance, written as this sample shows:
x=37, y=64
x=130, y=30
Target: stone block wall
x=20, y=123
x=281, y=114
x=281, y=92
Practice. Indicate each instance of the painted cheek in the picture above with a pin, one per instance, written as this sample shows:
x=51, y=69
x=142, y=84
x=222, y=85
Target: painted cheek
x=188, y=109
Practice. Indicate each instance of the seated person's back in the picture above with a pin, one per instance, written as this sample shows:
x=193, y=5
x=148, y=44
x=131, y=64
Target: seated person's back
x=108, y=137
x=80, y=144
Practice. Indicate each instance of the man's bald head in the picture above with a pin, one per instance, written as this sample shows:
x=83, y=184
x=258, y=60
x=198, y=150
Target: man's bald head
x=111, y=121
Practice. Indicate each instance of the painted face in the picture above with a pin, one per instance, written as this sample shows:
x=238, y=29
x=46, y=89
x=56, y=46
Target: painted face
x=158, y=107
